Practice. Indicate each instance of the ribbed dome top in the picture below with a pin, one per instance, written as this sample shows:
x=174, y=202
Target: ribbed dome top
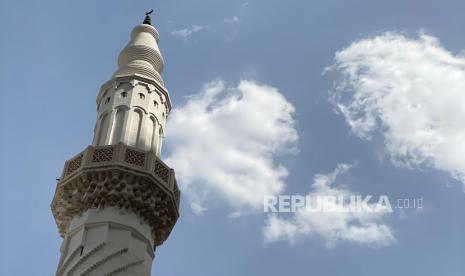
x=141, y=55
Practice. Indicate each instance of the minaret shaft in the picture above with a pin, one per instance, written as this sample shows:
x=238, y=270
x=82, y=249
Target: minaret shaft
x=107, y=242
x=116, y=200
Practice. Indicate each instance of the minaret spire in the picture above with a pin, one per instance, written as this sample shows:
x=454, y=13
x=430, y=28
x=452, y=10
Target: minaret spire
x=147, y=19
x=116, y=201
x=141, y=55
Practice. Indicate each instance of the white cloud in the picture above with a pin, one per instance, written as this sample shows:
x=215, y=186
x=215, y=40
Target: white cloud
x=186, y=33
x=363, y=228
x=224, y=141
x=231, y=20
x=412, y=92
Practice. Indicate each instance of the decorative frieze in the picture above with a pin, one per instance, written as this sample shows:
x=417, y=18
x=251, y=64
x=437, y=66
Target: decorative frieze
x=102, y=154
x=134, y=157
x=73, y=164
x=161, y=170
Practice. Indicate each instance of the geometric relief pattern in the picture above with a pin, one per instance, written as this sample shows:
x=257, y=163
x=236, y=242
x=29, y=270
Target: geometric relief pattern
x=102, y=155
x=74, y=164
x=103, y=261
x=64, y=265
x=80, y=261
x=162, y=171
x=134, y=157
x=116, y=188
x=176, y=192
x=124, y=268
x=88, y=266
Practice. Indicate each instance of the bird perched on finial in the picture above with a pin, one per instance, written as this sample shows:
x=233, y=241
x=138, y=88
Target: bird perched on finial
x=147, y=19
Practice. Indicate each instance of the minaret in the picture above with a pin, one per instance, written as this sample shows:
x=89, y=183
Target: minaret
x=116, y=201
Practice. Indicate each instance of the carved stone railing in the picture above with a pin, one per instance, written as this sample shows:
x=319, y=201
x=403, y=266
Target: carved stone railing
x=121, y=176
x=121, y=154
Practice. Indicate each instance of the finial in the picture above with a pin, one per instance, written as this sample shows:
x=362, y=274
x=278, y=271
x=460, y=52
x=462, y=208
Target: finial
x=147, y=19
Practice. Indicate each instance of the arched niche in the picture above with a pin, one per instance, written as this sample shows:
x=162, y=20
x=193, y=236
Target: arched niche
x=118, y=125
x=135, y=127
x=103, y=129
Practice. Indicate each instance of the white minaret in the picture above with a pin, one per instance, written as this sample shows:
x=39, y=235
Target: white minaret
x=116, y=200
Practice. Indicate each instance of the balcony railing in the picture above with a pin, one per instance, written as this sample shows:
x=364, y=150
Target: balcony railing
x=122, y=155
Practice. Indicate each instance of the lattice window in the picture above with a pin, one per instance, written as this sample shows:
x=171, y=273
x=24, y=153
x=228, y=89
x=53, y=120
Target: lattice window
x=134, y=157
x=176, y=192
x=102, y=155
x=74, y=164
x=162, y=171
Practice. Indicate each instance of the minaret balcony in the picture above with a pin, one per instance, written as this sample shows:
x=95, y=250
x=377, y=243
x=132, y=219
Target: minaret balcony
x=118, y=176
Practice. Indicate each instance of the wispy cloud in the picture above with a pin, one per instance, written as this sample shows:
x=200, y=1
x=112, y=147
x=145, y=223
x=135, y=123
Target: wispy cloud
x=361, y=228
x=224, y=142
x=228, y=27
x=231, y=20
x=411, y=91
x=186, y=33
x=231, y=24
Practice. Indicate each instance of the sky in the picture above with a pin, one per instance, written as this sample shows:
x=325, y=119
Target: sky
x=269, y=98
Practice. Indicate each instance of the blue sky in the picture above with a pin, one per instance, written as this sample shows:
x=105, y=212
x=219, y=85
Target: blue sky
x=389, y=106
